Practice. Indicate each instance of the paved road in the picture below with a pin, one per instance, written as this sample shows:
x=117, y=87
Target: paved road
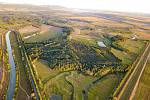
x=133, y=78
x=137, y=83
x=12, y=82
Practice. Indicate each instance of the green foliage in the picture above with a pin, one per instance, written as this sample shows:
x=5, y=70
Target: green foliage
x=103, y=89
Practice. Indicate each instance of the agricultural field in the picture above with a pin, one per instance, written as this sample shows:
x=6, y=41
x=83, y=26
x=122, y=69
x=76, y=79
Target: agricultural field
x=79, y=83
x=131, y=49
x=45, y=73
x=63, y=54
x=64, y=51
x=4, y=75
x=75, y=83
x=56, y=85
x=134, y=75
x=104, y=88
x=24, y=88
x=39, y=34
x=143, y=89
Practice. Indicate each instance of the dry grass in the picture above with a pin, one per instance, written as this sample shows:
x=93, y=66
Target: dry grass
x=28, y=29
x=43, y=70
x=143, y=90
x=59, y=85
x=45, y=28
x=103, y=89
x=79, y=81
x=42, y=33
x=103, y=22
x=142, y=33
x=126, y=58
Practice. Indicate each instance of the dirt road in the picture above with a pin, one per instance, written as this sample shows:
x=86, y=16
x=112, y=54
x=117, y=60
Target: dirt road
x=4, y=70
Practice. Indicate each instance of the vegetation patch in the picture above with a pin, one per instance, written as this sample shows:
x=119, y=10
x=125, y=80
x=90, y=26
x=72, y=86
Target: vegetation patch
x=103, y=89
x=143, y=90
x=59, y=85
x=79, y=82
x=44, y=72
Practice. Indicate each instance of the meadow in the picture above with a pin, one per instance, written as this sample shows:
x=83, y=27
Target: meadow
x=68, y=61
x=104, y=88
x=23, y=86
x=143, y=90
x=75, y=83
x=73, y=58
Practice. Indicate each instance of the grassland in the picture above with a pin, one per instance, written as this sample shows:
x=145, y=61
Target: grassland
x=24, y=87
x=63, y=60
x=132, y=46
x=131, y=81
x=59, y=86
x=40, y=33
x=74, y=82
x=44, y=72
x=103, y=89
x=131, y=49
x=71, y=64
x=4, y=68
x=126, y=58
x=104, y=21
x=79, y=81
x=27, y=30
x=143, y=90
x=53, y=81
x=141, y=33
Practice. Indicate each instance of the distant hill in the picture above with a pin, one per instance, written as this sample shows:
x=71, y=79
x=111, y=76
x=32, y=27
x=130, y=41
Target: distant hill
x=27, y=7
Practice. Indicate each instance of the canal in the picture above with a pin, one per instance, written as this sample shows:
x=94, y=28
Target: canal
x=12, y=80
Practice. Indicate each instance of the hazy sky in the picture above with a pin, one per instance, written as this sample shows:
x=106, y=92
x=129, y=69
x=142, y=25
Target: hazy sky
x=117, y=5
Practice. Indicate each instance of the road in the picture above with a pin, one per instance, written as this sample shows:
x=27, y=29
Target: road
x=12, y=82
x=131, y=82
x=3, y=70
x=137, y=83
x=28, y=66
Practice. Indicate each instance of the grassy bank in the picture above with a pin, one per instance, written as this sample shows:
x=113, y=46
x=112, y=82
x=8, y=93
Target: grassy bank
x=24, y=88
x=143, y=90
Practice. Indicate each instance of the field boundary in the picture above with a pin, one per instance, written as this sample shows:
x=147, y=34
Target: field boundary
x=29, y=64
x=117, y=94
x=137, y=83
x=5, y=70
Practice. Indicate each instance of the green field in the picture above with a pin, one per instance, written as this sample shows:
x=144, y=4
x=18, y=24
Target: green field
x=73, y=54
x=63, y=62
x=24, y=86
x=75, y=83
x=143, y=90
x=132, y=46
x=135, y=74
x=53, y=81
x=45, y=73
x=103, y=89
x=79, y=82
x=42, y=33
x=131, y=49
x=59, y=86
x=126, y=58
x=42, y=37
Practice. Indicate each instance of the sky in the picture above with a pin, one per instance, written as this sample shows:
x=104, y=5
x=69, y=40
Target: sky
x=142, y=6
